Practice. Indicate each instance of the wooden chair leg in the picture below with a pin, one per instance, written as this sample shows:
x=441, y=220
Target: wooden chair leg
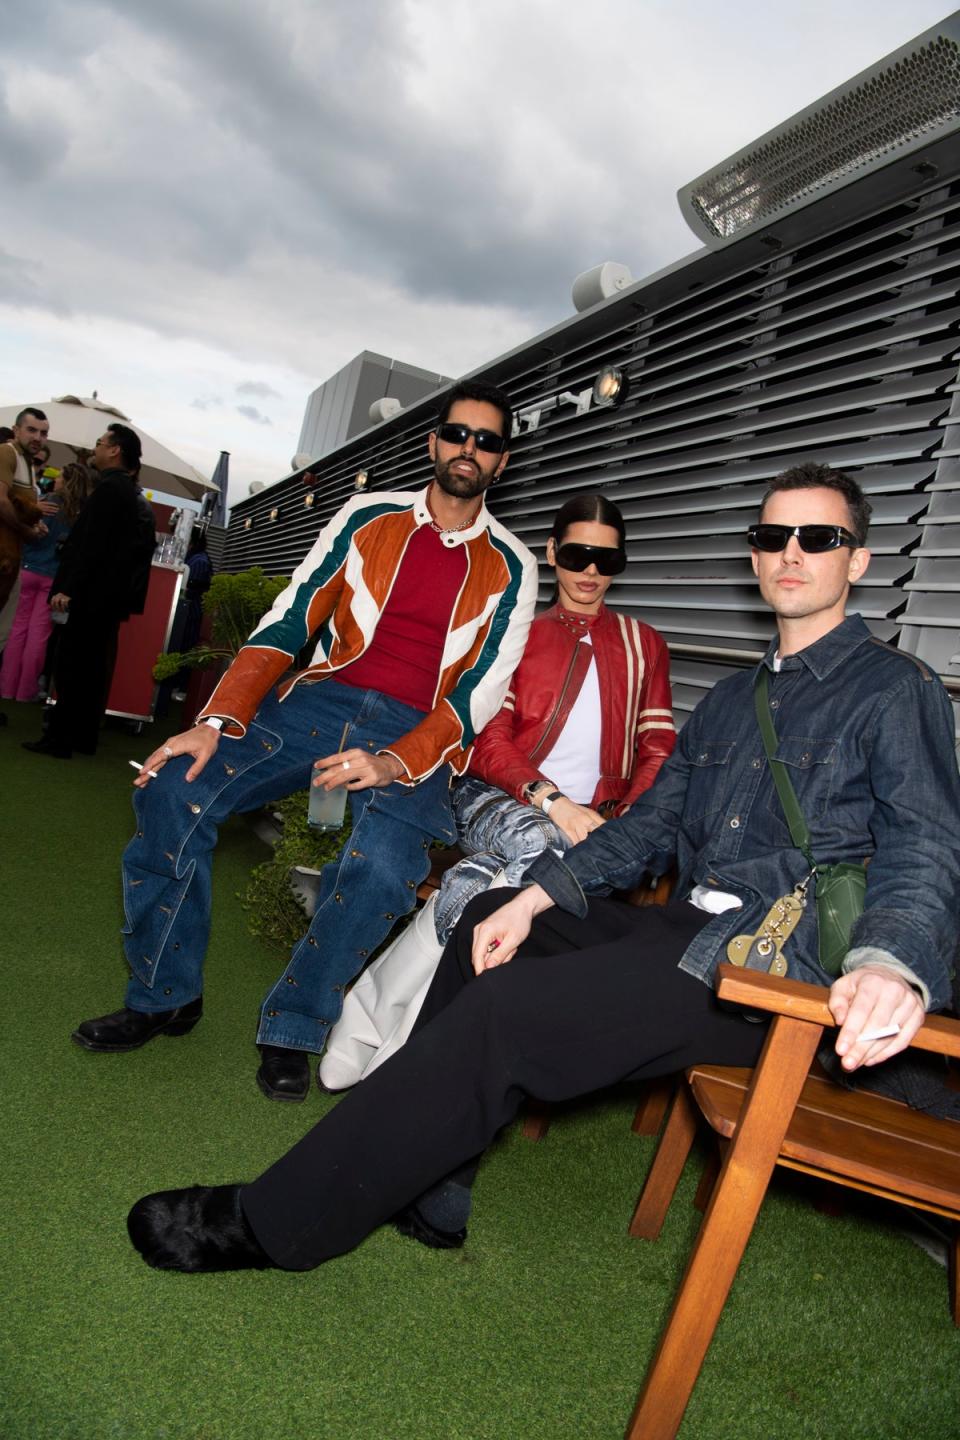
x=708, y=1176
x=768, y=1108
x=953, y=1270
x=654, y=1105
x=667, y=1167
x=536, y=1120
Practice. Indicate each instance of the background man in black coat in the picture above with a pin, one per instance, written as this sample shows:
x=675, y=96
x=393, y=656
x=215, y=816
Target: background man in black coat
x=102, y=578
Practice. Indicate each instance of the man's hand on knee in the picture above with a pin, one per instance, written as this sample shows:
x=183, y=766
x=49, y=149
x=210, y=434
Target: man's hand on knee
x=868, y=1001
x=200, y=742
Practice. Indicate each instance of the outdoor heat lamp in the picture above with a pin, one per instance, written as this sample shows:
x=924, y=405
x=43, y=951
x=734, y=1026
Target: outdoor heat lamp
x=610, y=387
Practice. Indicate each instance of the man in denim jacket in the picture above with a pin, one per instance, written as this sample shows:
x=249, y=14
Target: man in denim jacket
x=600, y=991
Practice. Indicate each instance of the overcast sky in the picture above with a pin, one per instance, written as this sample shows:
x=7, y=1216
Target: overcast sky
x=212, y=205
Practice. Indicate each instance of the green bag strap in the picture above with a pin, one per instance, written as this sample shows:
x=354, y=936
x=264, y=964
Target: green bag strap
x=799, y=833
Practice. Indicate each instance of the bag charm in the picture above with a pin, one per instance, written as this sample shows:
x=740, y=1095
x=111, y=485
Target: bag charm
x=764, y=950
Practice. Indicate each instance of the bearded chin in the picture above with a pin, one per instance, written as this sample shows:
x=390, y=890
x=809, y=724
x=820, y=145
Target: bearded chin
x=462, y=487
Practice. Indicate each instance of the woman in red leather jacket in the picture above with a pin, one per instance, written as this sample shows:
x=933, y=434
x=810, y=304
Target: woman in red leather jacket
x=584, y=728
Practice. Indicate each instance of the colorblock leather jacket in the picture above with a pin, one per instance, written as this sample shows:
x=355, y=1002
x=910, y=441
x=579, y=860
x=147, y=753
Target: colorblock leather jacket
x=337, y=594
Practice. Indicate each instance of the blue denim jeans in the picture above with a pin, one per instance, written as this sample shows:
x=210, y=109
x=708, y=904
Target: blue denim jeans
x=371, y=883
x=495, y=832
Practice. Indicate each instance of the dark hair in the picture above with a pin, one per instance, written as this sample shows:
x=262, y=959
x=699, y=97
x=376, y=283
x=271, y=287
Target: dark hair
x=29, y=410
x=5, y=434
x=811, y=476
x=589, y=508
x=478, y=390
x=76, y=485
x=129, y=442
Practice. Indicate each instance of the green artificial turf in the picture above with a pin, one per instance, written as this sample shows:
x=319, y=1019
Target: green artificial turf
x=541, y=1327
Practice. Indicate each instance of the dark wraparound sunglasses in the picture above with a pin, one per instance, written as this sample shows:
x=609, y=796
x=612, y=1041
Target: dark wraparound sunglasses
x=812, y=539
x=487, y=440
x=581, y=557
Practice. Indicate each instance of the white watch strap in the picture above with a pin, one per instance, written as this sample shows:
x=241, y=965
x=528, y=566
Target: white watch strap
x=214, y=722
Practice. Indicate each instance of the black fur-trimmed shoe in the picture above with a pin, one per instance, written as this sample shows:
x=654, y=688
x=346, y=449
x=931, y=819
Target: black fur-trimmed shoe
x=199, y=1229
x=411, y=1223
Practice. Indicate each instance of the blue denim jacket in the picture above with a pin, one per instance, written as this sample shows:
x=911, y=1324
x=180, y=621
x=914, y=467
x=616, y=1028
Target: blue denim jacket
x=867, y=733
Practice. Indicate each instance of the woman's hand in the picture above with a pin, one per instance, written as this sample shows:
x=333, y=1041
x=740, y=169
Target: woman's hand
x=497, y=939
x=576, y=821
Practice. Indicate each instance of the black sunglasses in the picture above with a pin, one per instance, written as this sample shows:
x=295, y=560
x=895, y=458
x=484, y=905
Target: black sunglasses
x=812, y=539
x=487, y=440
x=579, y=557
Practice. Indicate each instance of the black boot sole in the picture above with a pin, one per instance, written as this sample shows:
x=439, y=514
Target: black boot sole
x=176, y=1027
x=411, y=1224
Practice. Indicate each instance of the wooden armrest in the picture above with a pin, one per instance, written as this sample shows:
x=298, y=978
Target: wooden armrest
x=756, y=991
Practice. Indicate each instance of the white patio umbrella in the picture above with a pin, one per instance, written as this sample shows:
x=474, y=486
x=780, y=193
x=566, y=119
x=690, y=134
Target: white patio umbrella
x=76, y=423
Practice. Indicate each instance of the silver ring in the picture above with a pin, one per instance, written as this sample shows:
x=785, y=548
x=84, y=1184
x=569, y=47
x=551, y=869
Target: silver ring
x=167, y=751
x=346, y=764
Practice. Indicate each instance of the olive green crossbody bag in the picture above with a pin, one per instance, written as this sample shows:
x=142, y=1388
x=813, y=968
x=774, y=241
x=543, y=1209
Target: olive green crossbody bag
x=840, y=888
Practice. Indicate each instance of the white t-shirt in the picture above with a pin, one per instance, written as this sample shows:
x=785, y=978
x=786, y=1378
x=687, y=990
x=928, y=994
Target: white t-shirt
x=574, y=762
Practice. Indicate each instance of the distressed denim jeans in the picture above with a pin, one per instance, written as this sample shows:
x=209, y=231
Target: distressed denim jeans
x=371, y=883
x=495, y=832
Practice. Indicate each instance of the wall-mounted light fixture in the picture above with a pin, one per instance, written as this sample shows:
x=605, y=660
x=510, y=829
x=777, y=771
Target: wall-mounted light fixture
x=308, y=499
x=275, y=513
x=610, y=387
x=248, y=523
x=361, y=480
x=530, y=417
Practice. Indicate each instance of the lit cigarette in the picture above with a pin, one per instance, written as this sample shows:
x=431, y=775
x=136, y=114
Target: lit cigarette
x=138, y=765
x=883, y=1034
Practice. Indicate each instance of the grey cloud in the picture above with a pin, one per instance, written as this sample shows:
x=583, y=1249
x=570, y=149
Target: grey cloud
x=375, y=185
x=31, y=145
x=258, y=388
x=243, y=174
x=250, y=412
x=206, y=402
x=21, y=281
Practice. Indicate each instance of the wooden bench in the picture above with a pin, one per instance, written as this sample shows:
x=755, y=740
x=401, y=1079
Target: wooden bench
x=780, y=1115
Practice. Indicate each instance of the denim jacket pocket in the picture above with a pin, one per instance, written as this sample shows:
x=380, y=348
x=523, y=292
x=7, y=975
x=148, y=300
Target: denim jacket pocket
x=811, y=767
x=710, y=773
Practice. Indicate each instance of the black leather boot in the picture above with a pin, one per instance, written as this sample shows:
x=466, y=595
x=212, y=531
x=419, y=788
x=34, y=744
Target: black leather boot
x=283, y=1074
x=129, y=1029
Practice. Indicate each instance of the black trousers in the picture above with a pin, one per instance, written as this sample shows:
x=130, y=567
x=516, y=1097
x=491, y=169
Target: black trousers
x=84, y=668
x=584, y=1004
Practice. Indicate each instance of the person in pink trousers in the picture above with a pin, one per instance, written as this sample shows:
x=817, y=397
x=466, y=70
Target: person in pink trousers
x=25, y=651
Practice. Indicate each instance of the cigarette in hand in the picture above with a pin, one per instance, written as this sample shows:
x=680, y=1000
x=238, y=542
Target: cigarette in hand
x=882, y=1034
x=138, y=765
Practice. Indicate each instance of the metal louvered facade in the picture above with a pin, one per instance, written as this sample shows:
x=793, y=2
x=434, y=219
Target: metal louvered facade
x=832, y=337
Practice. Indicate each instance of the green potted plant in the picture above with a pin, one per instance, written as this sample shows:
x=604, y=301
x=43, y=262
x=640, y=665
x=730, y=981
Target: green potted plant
x=234, y=603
